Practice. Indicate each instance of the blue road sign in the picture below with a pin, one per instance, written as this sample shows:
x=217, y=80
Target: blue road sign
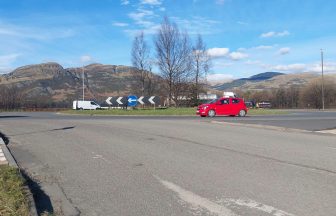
x=132, y=100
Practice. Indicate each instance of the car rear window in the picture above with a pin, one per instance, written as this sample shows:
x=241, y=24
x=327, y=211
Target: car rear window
x=235, y=101
x=225, y=101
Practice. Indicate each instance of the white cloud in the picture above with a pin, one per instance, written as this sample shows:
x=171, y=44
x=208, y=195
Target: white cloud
x=237, y=56
x=151, y=2
x=275, y=34
x=263, y=47
x=120, y=24
x=328, y=67
x=142, y=17
x=6, y=62
x=218, y=52
x=225, y=53
x=125, y=2
x=7, y=59
x=219, y=78
x=290, y=67
x=197, y=25
x=34, y=33
x=86, y=59
x=284, y=51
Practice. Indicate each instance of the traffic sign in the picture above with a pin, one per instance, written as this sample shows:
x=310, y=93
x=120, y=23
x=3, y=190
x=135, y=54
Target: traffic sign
x=132, y=100
x=122, y=101
x=108, y=101
x=154, y=100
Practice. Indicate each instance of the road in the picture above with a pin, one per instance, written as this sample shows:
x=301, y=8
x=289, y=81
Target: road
x=172, y=166
x=304, y=120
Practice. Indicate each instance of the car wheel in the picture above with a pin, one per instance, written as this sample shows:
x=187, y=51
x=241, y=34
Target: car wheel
x=211, y=113
x=242, y=113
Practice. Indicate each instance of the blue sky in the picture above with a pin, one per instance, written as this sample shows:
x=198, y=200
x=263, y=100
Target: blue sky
x=244, y=37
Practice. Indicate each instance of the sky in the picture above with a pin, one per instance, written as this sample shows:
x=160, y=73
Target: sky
x=243, y=37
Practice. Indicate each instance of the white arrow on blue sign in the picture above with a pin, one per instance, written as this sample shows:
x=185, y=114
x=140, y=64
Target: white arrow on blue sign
x=132, y=100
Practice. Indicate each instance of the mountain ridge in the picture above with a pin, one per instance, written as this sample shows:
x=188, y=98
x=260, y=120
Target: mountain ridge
x=51, y=80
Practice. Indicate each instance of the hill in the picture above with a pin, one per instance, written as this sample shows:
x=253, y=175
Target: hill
x=52, y=82
x=240, y=82
x=271, y=80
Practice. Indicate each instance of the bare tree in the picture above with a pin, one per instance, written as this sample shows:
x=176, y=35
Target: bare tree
x=201, y=64
x=173, y=58
x=10, y=97
x=141, y=62
x=311, y=94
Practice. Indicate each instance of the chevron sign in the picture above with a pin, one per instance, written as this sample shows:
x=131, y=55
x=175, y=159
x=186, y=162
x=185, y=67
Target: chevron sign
x=131, y=100
x=152, y=100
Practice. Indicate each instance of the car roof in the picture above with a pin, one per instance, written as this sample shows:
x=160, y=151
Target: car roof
x=231, y=97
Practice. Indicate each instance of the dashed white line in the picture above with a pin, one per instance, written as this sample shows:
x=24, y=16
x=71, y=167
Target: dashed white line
x=220, y=207
x=197, y=201
x=256, y=205
x=2, y=156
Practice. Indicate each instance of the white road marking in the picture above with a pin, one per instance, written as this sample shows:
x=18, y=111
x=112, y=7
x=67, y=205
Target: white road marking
x=332, y=131
x=99, y=157
x=2, y=156
x=256, y=205
x=197, y=201
x=220, y=208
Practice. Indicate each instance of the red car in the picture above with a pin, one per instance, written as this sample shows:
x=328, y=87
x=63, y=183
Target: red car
x=223, y=106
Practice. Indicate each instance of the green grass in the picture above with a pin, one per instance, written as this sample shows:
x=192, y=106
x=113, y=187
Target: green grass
x=252, y=112
x=165, y=112
x=168, y=111
x=13, y=201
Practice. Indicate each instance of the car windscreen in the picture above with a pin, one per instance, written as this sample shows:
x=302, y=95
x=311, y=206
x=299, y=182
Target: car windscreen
x=213, y=101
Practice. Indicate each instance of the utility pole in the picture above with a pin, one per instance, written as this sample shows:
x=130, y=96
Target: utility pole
x=322, y=79
x=83, y=81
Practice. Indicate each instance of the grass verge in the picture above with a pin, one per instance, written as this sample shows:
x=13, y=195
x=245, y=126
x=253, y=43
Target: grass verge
x=252, y=112
x=165, y=112
x=13, y=200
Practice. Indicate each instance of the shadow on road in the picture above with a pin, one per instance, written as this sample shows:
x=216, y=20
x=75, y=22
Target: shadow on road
x=42, y=200
x=13, y=116
x=44, y=131
x=4, y=138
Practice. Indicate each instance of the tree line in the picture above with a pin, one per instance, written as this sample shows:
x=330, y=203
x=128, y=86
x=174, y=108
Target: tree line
x=308, y=96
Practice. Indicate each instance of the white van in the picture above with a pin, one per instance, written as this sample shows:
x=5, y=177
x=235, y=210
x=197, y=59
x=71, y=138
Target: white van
x=229, y=94
x=85, y=105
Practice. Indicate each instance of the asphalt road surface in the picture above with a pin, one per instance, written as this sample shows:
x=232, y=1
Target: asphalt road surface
x=304, y=120
x=174, y=166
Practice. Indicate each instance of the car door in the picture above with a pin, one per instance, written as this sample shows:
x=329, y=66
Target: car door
x=235, y=106
x=222, y=108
